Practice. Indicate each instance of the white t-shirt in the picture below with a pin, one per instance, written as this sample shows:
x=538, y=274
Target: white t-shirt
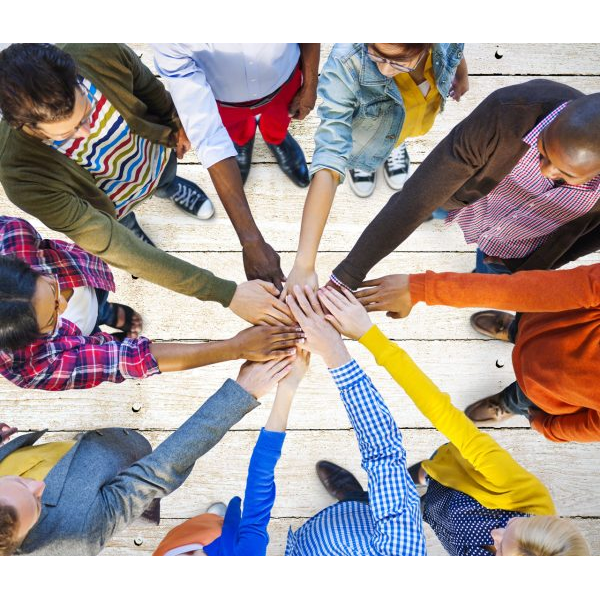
x=82, y=309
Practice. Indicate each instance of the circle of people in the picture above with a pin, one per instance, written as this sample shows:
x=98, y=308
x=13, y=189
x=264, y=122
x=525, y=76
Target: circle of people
x=88, y=132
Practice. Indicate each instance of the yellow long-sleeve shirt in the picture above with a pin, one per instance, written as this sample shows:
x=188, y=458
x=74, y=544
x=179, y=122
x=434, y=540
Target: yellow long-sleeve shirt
x=473, y=462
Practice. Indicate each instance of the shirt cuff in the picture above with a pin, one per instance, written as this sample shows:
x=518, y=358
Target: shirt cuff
x=272, y=441
x=339, y=283
x=215, y=149
x=374, y=340
x=417, y=287
x=347, y=375
x=135, y=359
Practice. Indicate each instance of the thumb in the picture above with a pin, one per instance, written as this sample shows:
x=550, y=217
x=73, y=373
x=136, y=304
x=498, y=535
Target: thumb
x=269, y=287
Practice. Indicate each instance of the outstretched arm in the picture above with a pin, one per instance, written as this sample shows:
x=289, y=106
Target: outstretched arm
x=199, y=114
x=259, y=497
x=525, y=291
x=475, y=446
x=259, y=343
x=159, y=473
x=393, y=497
x=445, y=170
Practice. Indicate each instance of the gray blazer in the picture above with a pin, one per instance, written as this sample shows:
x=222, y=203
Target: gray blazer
x=110, y=476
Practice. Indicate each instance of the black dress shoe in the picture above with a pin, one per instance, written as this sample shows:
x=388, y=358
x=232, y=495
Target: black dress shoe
x=339, y=482
x=131, y=223
x=244, y=158
x=291, y=160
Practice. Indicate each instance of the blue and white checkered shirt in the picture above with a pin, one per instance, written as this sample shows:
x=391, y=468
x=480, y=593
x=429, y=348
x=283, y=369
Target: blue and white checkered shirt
x=391, y=524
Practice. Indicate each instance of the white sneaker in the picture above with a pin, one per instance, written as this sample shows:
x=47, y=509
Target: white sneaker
x=217, y=508
x=396, y=167
x=362, y=182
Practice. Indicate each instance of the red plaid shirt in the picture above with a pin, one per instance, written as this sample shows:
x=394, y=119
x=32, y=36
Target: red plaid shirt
x=67, y=359
x=519, y=214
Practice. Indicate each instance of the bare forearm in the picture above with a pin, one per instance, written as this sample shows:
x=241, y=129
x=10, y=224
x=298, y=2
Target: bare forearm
x=181, y=357
x=282, y=404
x=309, y=57
x=314, y=217
x=227, y=180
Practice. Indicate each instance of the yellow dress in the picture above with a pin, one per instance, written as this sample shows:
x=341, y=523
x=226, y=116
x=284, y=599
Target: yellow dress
x=421, y=111
x=473, y=462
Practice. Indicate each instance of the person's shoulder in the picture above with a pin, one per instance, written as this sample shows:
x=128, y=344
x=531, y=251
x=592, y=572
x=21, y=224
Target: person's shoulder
x=344, y=52
x=96, y=59
x=535, y=91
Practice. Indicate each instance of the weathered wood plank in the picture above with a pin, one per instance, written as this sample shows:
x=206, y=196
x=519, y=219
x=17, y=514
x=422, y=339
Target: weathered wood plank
x=277, y=207
x=141, y=539
x=568, y=470
x=494, y=59
x=467, y=372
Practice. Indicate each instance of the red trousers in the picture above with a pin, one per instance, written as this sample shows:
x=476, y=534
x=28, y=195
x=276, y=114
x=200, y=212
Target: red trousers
x=240, y=122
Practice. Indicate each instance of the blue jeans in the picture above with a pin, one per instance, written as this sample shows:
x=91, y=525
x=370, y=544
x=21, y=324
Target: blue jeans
x=516, y=401
x=489, y=268
x=168, y=177
x=105, y=311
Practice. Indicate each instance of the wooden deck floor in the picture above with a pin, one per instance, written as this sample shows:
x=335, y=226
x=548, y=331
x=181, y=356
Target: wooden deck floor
x=441, y=341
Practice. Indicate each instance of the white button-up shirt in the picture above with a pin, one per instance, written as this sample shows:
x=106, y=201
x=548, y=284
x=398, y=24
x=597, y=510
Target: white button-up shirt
x=199, y=74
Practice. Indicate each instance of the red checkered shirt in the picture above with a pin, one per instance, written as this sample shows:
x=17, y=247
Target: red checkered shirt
x=67, y=359
x=519, y=214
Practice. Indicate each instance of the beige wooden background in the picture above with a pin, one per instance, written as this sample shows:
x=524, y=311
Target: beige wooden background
x=439, y=339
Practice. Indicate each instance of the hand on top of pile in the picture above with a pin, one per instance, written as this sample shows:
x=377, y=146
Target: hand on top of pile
x=321, y=336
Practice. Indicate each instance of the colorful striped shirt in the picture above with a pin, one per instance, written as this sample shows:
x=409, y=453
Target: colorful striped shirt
x=391, y=524
x=125, y=166
x=521, y=212
x=67, y=359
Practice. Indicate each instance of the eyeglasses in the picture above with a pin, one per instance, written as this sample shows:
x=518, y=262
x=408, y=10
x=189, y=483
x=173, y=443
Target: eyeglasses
x=53, y=322
x=87, y=120
x=401, y=68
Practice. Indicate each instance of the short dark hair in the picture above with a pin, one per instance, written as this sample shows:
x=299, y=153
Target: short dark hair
x=18, y=321
x=37, y=84
x=9, y=522
x=410, y=50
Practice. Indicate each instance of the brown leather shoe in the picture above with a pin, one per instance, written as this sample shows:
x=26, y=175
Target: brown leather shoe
x=491, y=408
x=337, y=481
x=492, y=323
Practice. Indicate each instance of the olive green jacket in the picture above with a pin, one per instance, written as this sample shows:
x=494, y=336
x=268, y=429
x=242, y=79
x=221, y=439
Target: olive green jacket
x=64, y=196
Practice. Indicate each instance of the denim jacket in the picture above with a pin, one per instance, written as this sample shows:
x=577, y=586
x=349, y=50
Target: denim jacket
x=362, y=111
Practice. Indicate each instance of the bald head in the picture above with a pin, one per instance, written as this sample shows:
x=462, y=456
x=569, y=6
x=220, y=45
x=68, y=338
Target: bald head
x=572, y=141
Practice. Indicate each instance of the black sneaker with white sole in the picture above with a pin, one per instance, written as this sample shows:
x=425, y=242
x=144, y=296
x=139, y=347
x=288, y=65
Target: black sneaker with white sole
x=396, y=167
x=188, y=197
x=362, y=183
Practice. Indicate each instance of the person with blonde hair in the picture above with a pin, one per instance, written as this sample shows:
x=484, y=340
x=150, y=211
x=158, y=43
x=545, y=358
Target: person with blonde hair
x=480, y=501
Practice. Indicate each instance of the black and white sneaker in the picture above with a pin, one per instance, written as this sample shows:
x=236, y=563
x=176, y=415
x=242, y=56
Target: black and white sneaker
x=362, y=182
x=396, y=167
x=190, y=198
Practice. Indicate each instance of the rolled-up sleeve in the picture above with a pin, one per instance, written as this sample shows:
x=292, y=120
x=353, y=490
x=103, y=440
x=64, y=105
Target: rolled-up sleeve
x=195, y=103
x=333, y=138
x=77, y=362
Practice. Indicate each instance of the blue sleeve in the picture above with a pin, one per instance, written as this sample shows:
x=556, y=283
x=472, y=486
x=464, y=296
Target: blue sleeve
x=259, y=496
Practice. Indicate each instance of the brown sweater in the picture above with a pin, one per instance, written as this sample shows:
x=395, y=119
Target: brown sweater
x=465, y=166
x=557, y=352
x=64, y=196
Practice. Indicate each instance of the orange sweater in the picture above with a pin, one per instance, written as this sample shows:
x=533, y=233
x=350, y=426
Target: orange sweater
x=557, y=353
